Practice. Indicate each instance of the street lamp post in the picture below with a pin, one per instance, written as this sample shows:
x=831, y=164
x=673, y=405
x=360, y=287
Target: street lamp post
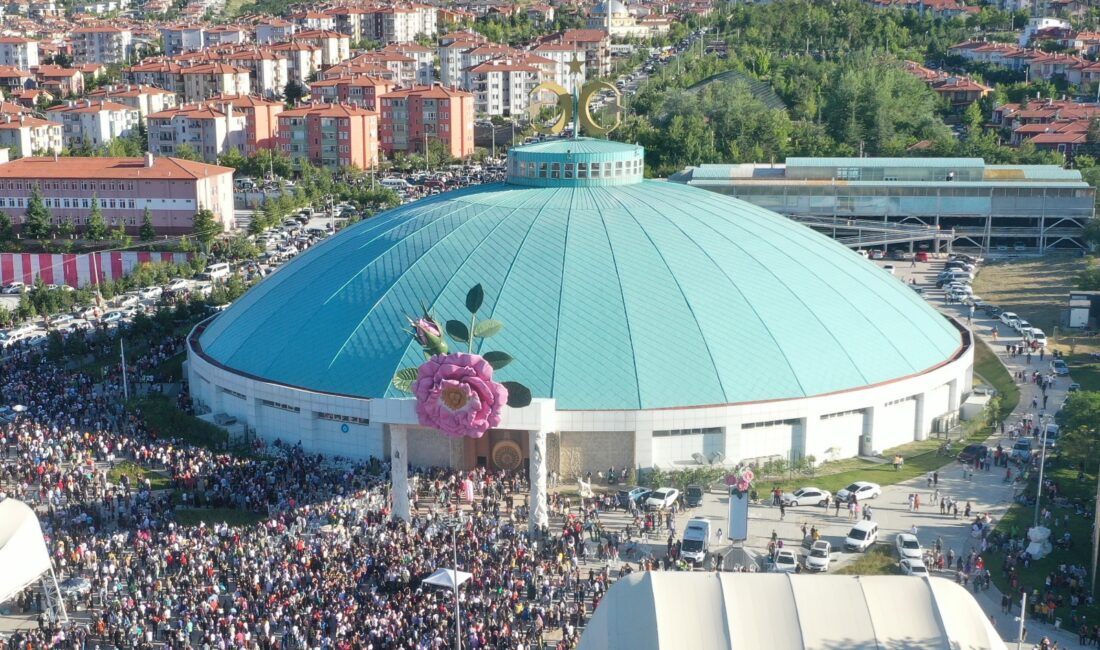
x=454, y=523
x=1042, y=465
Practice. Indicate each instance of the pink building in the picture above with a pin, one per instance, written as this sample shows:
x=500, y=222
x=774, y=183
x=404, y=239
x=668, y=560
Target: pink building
x=411, y=117
x=173, y=190
x=330, y=135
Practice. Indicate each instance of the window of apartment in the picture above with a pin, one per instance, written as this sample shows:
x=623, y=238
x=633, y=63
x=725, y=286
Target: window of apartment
x=555, y=170
x=85, y=203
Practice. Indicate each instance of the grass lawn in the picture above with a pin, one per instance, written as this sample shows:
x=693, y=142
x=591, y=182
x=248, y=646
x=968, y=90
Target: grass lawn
x=231, y=516
x=166, y=421
x=878, y=560
x=1084, y=371
x=138, y=473
x=992, y=371
x=1036, y=289
x=1019, y=518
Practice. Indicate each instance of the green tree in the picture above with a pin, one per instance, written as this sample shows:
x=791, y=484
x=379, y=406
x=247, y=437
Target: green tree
x=148, y=232
x=67, y=228
x=293, y=92
x=1089, y=279
x=38, y=216
x=187, y=152
x=118, y=234
x=205, y=227
x=1079, y=421
x=7, y=230
x=96, y=230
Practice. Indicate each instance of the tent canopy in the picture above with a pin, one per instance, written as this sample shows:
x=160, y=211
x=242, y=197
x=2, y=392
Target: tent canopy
x=23, y=553
x=447, y=578
x=722, y=611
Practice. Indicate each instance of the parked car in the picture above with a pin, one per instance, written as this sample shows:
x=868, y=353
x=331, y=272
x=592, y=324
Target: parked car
x=819, y=556
x=693, y=496
x=13, y=288
x=862, y=490
x=177, y=285
x=889, y=268
x=878, y=254
x=913, y=567
x=1009, y=318
x=861, y=536
x=806, y=496
x=634, y=495
x=972, y=452
x=1059, y=367
x=150, y=293
x=908, y=546
x=1022, y=450
x=662, y=498
x=785, y=561
x=1073, y=388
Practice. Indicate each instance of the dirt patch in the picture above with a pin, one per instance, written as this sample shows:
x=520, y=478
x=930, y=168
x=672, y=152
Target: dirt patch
x=1036, y=289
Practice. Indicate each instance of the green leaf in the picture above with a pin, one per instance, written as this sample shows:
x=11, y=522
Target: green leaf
x=518, y=394
x=404, y=379
x=458, y=331
x=487, y=328
x=474, y=298
x=498, y=359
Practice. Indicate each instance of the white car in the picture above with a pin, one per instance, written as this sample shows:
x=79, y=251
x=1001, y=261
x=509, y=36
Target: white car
x=810, y=496
x=819, y=557
x=176, y=285
x=785, y=561
x=1009, y=318
x=889, y=268
x=861, y=536
x=13, y=288
x=1022, y=326
x=150, y=293
x=913, y=567
x=862, y=490
x=662, y=498
x=908, y=546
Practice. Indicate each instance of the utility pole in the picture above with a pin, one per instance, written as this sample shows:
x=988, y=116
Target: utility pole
x=1023, y=613
x=1042, y=465
x=125, y=381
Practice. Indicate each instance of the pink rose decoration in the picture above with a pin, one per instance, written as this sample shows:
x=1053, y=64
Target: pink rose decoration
x=743, y=486
x=424, y=329
x=456, y=394
x=747, y=475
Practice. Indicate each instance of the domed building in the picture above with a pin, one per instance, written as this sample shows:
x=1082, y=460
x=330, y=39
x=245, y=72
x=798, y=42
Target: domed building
x=616, y=18
x=654, y=323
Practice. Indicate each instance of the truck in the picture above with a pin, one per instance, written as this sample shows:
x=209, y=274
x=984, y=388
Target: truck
x=696, y=543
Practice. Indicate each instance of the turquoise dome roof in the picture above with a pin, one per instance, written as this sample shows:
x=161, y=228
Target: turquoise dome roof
x=616, y=293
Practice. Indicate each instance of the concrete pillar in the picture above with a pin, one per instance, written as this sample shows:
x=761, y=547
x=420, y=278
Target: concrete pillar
x=867, y=441
x=399, y=471
x=643, y=447
x=538, y=511
x=953, y=395
x=920, y=424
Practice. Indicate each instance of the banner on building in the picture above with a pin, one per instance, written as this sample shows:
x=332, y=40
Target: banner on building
x=78, y=270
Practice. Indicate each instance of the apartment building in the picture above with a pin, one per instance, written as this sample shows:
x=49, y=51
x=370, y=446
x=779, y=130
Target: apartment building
x=26, y=135
x=348, y=20
x=173, y=190
x=17, y=52
x=182, y=38
x=210, y=129
x=146, y=99
x=225, y=35
x=314, y=21
x=60, y=82
x=101, y=44
x=167, y=75
x=358, y=91
x=503, y=86
x=597, y=47
x=13, y=80
x=423, y=60
x=209, y=79
x=268, y=71
x=563, y=55
x=330, y=135
x=402, y=68
x=400, y=24
x=457, y=57
x=94, y=123
x=276, y=30
x=303, y=59
x=412, y=118
x=335, y=47
x=261, y=120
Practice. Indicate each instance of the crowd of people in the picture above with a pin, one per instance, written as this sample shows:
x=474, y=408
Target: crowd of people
x=325, y=567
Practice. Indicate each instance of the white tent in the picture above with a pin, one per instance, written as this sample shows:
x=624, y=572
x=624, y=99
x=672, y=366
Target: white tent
x=447, y=578
x=722, y=611
x=23, y=554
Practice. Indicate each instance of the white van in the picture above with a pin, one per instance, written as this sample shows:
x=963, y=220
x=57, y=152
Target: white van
x=862, y=536
x=696, y=543
x=218, y=271
x=395, y=184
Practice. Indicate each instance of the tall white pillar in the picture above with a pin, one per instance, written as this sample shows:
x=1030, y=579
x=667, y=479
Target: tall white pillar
x=399, y=471
x=538, y=512
x=921, y=424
